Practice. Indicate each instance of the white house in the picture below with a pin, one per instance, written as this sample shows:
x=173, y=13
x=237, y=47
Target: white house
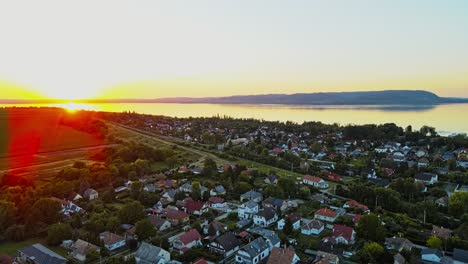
x=187, y=241
x=295, y=220
x=217, y=203
x=91, y=194
x=254, y=252
x=248, y=210
x=265, y=217
x=315, y=181
x=426, y=178
x=147, y=253
x=112, y=241
x=312, y=227
x=327, y=215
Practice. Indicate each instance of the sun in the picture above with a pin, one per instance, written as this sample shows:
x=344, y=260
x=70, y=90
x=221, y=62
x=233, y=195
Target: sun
x=71, y=107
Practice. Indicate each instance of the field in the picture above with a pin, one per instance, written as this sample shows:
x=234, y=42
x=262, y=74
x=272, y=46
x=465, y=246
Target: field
x=33, y=139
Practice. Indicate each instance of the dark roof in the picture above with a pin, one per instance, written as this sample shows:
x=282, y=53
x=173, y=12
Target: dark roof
x=268, y=213
x=379, y=181
x=228, y=241
x=460, y=255
x=425, y=176
x=42, y=255
x=255, y=247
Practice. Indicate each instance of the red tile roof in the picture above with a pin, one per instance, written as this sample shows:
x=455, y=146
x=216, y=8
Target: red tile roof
x=281, y=256
x=312, y=178
x=201, y=261
x=343, y=231
x=326, y=212
x=190, y=236
x=174, y=214
x=355, y=204
x=216, y=200
x=193, y=206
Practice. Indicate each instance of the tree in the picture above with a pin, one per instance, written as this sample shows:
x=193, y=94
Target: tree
x=16, y=233
x=458, y=204
x=108, y=196
x=210, y=167
x=371, y=253
x=56, y=233
x=92, y=255
x=288, y=226
x=274, y=191
x=145, y=230
x=370, y=228
x=434, y=242
x=131, y=212
x=288, y=185
x=45, y=210
x=7, y=214
x=196, y=190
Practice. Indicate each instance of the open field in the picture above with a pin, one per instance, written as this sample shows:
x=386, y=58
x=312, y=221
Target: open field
x=32, y=131
x=11, y=248
x=34, y=142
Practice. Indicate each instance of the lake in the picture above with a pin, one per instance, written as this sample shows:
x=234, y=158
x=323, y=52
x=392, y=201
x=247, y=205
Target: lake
x=447, y=119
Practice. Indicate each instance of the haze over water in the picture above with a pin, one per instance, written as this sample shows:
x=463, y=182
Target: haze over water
x=446, y=119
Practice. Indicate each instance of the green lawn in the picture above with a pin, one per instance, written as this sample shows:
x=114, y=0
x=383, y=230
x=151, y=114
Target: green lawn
x=11, y=248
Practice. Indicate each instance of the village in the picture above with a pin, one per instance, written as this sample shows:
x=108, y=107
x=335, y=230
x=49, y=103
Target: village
x=328, y=195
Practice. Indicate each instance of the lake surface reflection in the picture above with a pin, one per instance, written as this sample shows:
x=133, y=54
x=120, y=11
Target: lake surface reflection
x=449, y=118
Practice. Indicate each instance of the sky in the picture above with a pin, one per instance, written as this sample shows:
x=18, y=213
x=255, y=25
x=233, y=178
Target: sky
x=150, y=49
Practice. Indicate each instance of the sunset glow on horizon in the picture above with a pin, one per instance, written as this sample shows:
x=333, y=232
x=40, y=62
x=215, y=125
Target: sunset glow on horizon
x=151, y=49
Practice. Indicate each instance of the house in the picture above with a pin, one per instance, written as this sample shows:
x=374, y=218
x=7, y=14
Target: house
x=149, y=254
x=423, y=162
x=283, y=256
x=323, y=199
x=251, y=196
x=81, y=248
x=334, y=177
x=75, y=197
x=266, y=217
x=344, y=234
x=186, y=187
x=271, y=179
x=187, y=241
x=431, y=255
x=225, y=245
x=112, y=241
x=169, y=196
x=39, y=254
x=176, y=217
x=295, y=220
x=91, y=194
x=254, y=252
x=69, y=208
x=443, y=201
x=271, y=237
x=215, y=228
x=195, y=207
x=326, y=258
x=248, y=210
x=356, y=205
x=312, y=227
x=315, y=181
x=442, y=233
x=426, y=178
x=277, y=204
x=159, y=223
x=398, y=243
x=217, y=203
x=218, y=190
x=460, y=256
x=369, y=173
x=166, y=184
x=399, y=259
x=326, y=214
x=150, y=188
